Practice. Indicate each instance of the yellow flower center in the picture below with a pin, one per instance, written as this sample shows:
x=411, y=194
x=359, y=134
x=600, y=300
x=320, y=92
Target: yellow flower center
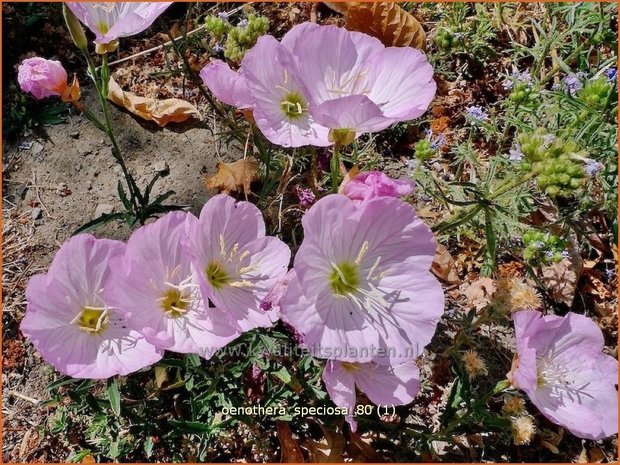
x=344, y=278
x=216, y=275
x=293, y=106
x=92, y=319
x=174, y=303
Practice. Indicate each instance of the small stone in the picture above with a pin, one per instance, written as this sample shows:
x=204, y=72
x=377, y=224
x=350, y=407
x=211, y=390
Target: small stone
x=36, y=213
x=78, y=167
x=161, y=168
x=75, y=134
x=103, y=209
x=63, y=189
x=37, y=148
x=118, y=170
x=89, y=185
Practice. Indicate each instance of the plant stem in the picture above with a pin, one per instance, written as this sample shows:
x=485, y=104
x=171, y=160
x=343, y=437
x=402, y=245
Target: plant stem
x=464, y=212
x=335, y=166
x=101, y=88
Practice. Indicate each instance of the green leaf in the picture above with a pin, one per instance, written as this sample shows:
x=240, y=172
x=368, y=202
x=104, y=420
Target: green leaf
x=114, y=396
x=100, y=221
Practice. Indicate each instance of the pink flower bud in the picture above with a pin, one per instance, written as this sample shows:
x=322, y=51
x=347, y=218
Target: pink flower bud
x=42, y=78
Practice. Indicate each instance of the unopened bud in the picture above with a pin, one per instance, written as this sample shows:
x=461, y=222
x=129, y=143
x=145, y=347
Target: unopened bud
x=75, y=28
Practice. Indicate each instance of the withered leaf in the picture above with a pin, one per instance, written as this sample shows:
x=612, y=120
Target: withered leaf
x=327, y=450
x=386, y=21
x=561, y=281
x=161, y=111
x=479, y=292
x=444, y=267
x=291, y=453
x=234, y=177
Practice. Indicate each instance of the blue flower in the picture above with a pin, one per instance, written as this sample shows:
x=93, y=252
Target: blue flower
x=611, y=74
x=592, y=167
x=477, y=113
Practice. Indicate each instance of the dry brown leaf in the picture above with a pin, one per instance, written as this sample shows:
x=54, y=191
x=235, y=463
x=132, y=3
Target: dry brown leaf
x=234, y=177
x=361, y=451
x=444, y=267
x=291, y=453
x=386, y=21
x=479, y=292
x=328, y=450
x=161, y=111
x=560, y=280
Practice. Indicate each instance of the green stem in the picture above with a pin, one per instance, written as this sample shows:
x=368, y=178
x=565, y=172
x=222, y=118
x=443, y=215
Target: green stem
x=335, y=167
x=102, y=87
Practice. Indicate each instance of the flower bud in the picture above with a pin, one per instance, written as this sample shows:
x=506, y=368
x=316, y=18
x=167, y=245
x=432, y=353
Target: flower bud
x=75, y=29
x=42, y=78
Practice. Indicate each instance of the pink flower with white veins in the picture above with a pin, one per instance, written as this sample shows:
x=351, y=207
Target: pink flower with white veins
x=362, y=289
x=112, y=20
x=237, y=265
x=383, y=384
x=355, y=83
x=271, y=89
x=69, y=321
x=156, y=286
x=562, y=369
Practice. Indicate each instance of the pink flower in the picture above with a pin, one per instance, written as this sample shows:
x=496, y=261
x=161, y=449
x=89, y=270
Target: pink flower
x=156, y=287
x=354, y=82
x=71, y=324
x=42, y=78
x=363, y=290
x=278, y=100
x=383, y=384
x=237, y=264
x=371, y=184
x=111, y=20
x=563, y=371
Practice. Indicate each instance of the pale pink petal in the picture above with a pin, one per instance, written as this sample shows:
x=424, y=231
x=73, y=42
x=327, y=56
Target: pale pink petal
x=226, y=85
x=402, y=82
x=389, y=385
x=354, y=112
x=340, y=385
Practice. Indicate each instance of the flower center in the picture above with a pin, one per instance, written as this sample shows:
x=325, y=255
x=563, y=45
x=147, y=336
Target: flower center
x=174, y=303
x=293, y=105
x=92, y=319
x=216, y=274
x=550, y=373
x=350, y=367
x=344, y=278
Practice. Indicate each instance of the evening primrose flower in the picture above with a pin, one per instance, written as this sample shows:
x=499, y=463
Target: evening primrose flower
x=42, y=78
x=362, y=288
x=237, y=265
x=371, y=184
x=563, y=371
x=354, y=82
x=111, y=20
x=156, y=287
x=71, y=324
x=383, y=384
